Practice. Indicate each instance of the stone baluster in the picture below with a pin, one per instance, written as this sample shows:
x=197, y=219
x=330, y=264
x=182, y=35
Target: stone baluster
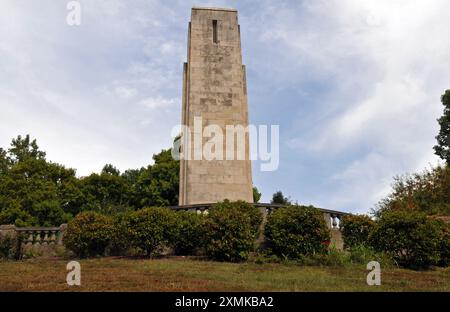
x=45, y=239
x=30, y=239
x=334, y=223
x=53, y=237
x=38, y=238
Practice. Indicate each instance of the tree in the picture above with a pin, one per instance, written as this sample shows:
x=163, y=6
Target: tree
x=110, y=169
x=24, y=148
x=442, y=149
x=158, y=185
x=34, y=191
x=256, y=195
x=278, y=198
x=427, y=192
x=107, y=193
x=37, y=192
x=5, y=162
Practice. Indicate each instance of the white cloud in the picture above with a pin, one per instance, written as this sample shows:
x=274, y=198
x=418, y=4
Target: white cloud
x=158, y=102
x=389, y=61
x=125, y=92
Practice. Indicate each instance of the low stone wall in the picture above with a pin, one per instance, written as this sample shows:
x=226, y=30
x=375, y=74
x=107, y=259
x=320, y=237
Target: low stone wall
x=36, y=241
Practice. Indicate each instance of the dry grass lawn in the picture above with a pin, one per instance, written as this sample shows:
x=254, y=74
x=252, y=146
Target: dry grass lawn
x=181, y=274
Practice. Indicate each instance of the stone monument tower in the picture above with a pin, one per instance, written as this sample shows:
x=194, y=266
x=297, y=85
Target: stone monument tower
x=214, y=88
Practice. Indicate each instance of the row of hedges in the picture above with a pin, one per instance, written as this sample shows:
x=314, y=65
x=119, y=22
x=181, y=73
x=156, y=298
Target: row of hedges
x=411, y=238
x=227, y=233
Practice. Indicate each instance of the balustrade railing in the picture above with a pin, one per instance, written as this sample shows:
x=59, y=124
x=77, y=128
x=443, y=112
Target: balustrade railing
x=41, y=235
x=332, y=217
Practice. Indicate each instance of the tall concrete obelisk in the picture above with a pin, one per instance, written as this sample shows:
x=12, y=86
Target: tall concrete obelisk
x=214, y=88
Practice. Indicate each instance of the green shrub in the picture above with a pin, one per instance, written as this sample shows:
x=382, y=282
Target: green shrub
x=8, y=247
x=363, y=254
x=150, y=229
x=356, y=230
x=412, y=239
x=444, y=246
x=295, y=231
x=231, y=230
x=120, y=243
x=88, y=234
x=331, y=257
x=190, y=232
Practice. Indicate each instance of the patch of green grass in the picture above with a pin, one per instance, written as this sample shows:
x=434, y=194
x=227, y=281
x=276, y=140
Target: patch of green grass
x=184, y=274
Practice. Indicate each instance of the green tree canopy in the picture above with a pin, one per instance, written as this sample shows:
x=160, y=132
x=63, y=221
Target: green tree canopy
x=34, y=191
x=442, y=149
x=256, y=195
x=278, y=198
x=427, y=192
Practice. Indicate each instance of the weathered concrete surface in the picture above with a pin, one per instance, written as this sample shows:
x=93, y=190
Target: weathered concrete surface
x=214, y=88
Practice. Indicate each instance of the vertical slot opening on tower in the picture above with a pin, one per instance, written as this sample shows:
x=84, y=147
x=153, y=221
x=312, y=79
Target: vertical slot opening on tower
x=214, y=22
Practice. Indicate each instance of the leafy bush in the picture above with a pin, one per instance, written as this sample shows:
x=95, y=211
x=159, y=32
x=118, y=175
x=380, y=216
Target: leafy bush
x=358, y=255
x=295, y=231
x=190, y=232
x=120, y=243
x=8, y=247
x=88, y=234
x=150, y=229
x=444, y=247
x=356, y=230
x=363, y=254
x=412, y=239
x=232, y=228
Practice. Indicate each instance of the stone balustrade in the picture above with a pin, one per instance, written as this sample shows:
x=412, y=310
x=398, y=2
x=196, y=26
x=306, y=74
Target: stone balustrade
x=36, y=240
x=332, y=218
x=41, y=235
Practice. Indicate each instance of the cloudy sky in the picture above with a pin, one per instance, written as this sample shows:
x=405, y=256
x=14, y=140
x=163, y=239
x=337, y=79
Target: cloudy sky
x=354, y=85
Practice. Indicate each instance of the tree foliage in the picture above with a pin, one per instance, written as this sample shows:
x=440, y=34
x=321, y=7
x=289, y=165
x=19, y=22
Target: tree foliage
x=278, y=198
x=427, y=192
x=231, y=230
x=37, y=192
x=34, y=191
x=150, y=230
x=442, y=149
x=190, y=232
x=295, y=231
x=256, y=195
x=89, y=234
x=411, y=238
x=356, y=230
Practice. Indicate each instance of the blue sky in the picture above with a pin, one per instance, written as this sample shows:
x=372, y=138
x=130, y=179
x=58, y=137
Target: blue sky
x=354, y=86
